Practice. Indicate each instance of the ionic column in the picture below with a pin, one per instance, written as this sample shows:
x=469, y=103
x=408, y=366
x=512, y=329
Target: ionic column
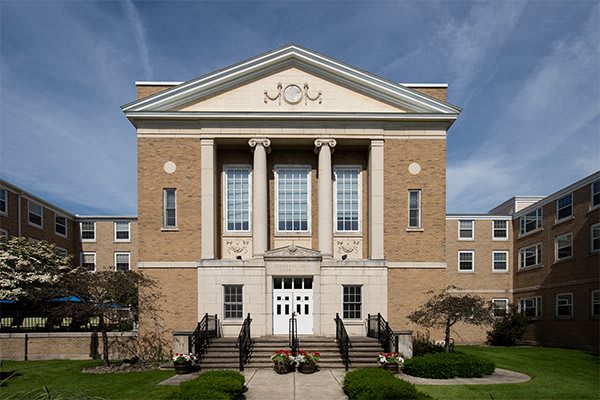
x=207, y=198
x=324, y=147
x=376, y=251
x=260, y=196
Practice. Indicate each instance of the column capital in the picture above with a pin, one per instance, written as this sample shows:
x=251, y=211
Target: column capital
x=326, y=141
x=256, y=141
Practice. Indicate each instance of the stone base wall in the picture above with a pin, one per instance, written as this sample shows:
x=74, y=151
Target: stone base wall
x=64, y=345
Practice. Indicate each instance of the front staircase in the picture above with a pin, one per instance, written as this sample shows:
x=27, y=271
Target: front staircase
x=223, y=353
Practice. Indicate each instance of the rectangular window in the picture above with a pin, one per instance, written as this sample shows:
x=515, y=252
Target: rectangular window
x=595, y=237
x=60, y=225
x=530, y=222
x=352, y=302
x=348, y=199
x=170, y=208
x=3, y=234
x=530, y=256
x=466, y=229
x=595, y=194
x=36, y=214
x=121, y=231
x=237, y=199
x=414, y=209
x=293, y=199
x=466, y=261
x=500, y=261
x=88, y=231
x=121, y=261
x=500, y=230
x=595, y=300
x=564, y=246
x=531, y=306
x=233, y=302
x=88, y=261
x=62, y=252
x=3, y=201
x=499, y=307
x=564, y=305
x=564, y=207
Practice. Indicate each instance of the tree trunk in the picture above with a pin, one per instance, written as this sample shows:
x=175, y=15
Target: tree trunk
x=102, y=326
x=447, y=337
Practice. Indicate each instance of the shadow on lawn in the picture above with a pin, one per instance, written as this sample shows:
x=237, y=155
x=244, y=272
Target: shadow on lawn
x=6, y=375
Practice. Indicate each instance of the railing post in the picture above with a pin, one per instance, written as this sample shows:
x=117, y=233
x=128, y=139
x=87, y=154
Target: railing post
x=368, y=324
x=378, y=326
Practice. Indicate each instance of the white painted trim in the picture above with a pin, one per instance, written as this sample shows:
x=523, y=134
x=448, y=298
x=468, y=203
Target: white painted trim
x=283, y=136
x=539, y=262
x=128, y=240
x=111, y=217
x=572, y=304
x=4, y=233
x=66, y=235
x=592, y=292
x=5, y=212
x=227, y=167
x=128, y=259
x=362, y=302
x=41, y=215
x=164, y=224
x=276, y=169
x=570, y=216
x=556, y=238
x=501, y=239
x=59, y=249
x=538, y=305
x=419, y=226
x=230, y=320
x=417, y=265
x=538, y=227
x=472, y=270
x=158, y=83
x=29, y=196
x=592, y=206
x=355, y=167
x=467, y=239
x=81, y=232
x=507, y=270
x=81, y=256
x=167, y=264
x=452, y=217
x=501, y=299
x=592, y=250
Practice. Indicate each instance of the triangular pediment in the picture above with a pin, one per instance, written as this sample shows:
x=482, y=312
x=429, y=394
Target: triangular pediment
x=293, y=252
x=286, y=80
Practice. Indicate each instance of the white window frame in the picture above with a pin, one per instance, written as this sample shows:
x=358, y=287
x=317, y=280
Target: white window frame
x=594, y=298
x=225, y=209
x=362, y=301
x=5, y=201
x=56, y=215
x=62, y=251
x=4, y=234
x=472, y=252
x=538, y=255
x=592, y=227
x=128, y=259
x=128, y=231
x=556, y=248
x=503, y=238
x=419, y=210
x=494, y=261
x=337, y=168
x=82, y=256
x=81, y=231
x=33, y=240
x=41, y=215
x=567, y=217
x=472, y=230
x=538, y=305
x=231, y=302
x=165, y=225
x=592, y=205
x=538, y=219
x=308, y=230
x=503, y=299
x=569, y=294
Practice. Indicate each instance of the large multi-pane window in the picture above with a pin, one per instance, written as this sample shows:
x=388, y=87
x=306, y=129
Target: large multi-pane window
x=233, y=302
x=595, y=194
x=237, y=199
x=88, y=231
x=500, y=230
x=122, y=261
x=3, y=201
x=466, y=229
x=499, y=307
x=414, y=209
x=531, y=306
x=170, y=208
x=60, y=225
x=595, y=303
x=293, y=199
x=530, y=256
x=466, y=261
x=531, y=221
x=564, y=207
x=500, y=261
x=121, y=231
x=564, y=246
x=352, y=301
x=595, y=237
x=564, y=305
x=348, y=196
x=36, y=214
x=88, y=261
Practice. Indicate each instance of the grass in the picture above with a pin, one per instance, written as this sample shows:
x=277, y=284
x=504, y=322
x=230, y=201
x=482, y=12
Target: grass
x=555, y=374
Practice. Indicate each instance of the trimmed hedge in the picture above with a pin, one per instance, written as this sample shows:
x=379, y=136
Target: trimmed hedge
x=448, y=365
x=214, y=385
x=376, y=384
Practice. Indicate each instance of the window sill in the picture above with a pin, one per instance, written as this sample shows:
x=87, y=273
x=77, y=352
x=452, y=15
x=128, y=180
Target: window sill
x=169, y=229
x=500, y=239
x=533, y=232
x=531, y=268
x=501, y=272
x=466, y=239
x=563, y=260
x=353, y=322
x=293, y=234
x=415, y=230
x=237, y=234
x=232, y=322
x=60, y=235
x=569, y=318
x=88, y=240
x=121, y=241
x=563, y=220
x=466, y=272
x=347, y=234
x=591, y=210
x=40, y=227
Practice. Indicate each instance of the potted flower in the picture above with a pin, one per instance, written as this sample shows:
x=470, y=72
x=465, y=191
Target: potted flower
x=307, y=362
x=281, y=361
x=391, y=361
x=184, y=363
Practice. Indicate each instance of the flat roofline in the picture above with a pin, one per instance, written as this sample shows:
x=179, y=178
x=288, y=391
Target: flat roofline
x=425, y=85
x=30, y=196
x=175, y=83
x=106, y=216
x=478, y=216
x=157, y=83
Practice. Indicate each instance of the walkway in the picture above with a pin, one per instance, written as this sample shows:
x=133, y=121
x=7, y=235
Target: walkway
x=499, y=376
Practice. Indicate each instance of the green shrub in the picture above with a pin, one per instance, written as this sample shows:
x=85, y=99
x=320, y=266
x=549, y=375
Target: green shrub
x=448, y=365
x=422, y=345
x=375, y=384
x=218, y=385
x=509, y=329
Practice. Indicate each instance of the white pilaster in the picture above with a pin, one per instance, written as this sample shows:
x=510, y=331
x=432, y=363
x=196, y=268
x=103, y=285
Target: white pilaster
x=376, y=215
x=260, y=196
x=207, y=198
x=324, y=147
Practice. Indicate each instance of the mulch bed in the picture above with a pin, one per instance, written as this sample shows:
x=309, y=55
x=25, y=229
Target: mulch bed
x=119, y=369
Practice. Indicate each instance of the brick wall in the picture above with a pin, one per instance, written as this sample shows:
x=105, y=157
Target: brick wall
x=145, y=90
x=105, y=245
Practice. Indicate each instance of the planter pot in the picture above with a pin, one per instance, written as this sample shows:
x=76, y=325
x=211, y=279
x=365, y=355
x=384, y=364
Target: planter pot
x=182, y=369
x=392, y=367
x=308, y=368
x=282, y=368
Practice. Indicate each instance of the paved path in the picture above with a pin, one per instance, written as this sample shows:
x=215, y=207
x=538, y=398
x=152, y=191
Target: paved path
x=265, y=384
x=499, y=376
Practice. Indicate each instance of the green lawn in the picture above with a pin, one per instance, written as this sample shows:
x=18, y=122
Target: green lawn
x=555, y=374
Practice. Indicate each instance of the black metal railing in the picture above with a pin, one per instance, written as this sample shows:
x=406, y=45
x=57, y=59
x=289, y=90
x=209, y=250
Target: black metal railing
x=244, y=342
x=207, y=329
x=343, y=341
x=294, y=342
x=379, y=328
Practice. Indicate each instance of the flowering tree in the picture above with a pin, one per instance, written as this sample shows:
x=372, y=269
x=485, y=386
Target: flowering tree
x=446, y=309
x=31, y=272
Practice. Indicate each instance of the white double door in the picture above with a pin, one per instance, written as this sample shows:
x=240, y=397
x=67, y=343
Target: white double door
x=293, y=295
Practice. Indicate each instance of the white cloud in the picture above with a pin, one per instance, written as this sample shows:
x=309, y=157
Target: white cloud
x=140, y=37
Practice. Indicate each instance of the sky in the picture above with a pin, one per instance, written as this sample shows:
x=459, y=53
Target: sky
x=526, y=74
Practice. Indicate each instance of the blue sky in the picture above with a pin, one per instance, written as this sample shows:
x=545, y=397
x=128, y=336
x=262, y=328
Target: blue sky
x=527, y=75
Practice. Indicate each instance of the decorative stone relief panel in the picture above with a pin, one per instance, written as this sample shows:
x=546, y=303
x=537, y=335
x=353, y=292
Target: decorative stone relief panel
x=234, y=247
x=282, y=241
x=293, y=94
x=350, y=246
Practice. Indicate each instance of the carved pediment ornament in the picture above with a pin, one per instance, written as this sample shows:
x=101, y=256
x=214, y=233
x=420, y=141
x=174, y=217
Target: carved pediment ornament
x=237, y=246
x=292, y=251
x=292, y=94
x=348, y=246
